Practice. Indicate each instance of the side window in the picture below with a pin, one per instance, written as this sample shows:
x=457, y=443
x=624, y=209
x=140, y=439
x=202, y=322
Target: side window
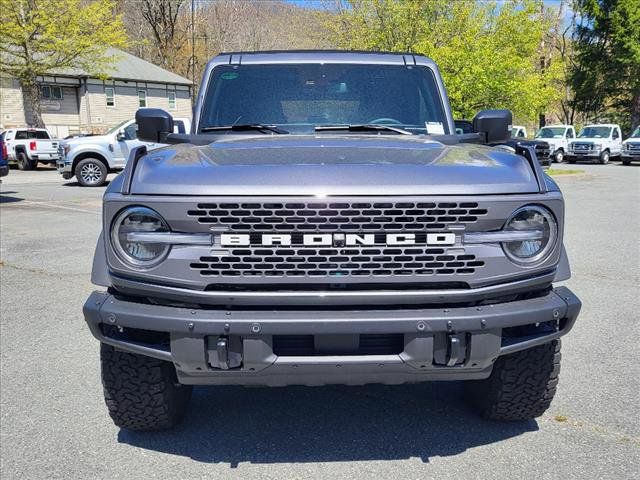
x=178, y=126
x=142, y=98
x=570, y=133
x=616, y=134
x=21, y=135
x=131, y=132
x=110, y=96
x=51, y=92
x=521, y=133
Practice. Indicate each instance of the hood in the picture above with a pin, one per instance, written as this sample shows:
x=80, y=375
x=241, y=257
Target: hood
x=72, y=142
x=331, y=165
x=589, y=140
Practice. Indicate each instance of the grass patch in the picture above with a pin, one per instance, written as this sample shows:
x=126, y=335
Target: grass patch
x=556, y=171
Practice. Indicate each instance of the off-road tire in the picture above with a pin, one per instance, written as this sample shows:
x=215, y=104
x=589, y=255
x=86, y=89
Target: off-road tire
x=559, y=156
x=521, y=385
x=91, y=172
x=604, y=157
x=24, y=163
x=141, y=393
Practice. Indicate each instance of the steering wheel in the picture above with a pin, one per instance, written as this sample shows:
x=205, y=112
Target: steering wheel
x=385, y=120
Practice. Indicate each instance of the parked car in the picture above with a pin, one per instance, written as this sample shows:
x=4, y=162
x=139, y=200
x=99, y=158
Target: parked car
x=597, y=142
x=28, y=146
x=558, y=138
x=518, y=131
x=4, y=161
x=631, y=147
x=315, y=244
x=91, y=158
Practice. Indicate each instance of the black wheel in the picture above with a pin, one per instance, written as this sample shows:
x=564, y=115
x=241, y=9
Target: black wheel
x=24, y=163
x=521, y=385
x=604, y=157
x=559, y=156
x=141, y=393
x=91, y=172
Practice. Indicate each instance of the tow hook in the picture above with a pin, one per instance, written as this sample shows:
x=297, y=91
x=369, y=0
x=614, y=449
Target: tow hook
x=223, y=353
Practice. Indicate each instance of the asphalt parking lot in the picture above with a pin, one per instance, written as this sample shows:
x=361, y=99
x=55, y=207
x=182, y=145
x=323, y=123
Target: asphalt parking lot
x=54, y=423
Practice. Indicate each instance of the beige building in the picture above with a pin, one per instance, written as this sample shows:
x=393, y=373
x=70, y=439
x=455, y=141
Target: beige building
x=77, y=103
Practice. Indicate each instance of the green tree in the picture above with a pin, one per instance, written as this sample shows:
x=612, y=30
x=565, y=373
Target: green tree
x=41, y=37
x=489, y=53
x=606, y=73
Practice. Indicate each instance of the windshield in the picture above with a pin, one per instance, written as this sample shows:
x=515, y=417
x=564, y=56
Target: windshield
x=300, y=97
x=551, y=132
x=595, y=132
x=116, y=128
x=636, y=133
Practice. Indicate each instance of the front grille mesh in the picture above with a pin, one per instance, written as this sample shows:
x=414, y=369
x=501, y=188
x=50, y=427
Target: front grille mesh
x=336, y=262
x=338, y=216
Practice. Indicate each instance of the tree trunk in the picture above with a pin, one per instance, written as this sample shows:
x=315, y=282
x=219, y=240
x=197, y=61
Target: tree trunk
x=635, y=109
x=31, y=101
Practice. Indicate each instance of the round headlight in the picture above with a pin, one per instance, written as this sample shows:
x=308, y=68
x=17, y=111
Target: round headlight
x=531, y=218
x=132, y=251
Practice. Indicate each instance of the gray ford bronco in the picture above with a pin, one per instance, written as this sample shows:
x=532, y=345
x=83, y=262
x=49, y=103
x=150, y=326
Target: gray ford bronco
x=323, y=224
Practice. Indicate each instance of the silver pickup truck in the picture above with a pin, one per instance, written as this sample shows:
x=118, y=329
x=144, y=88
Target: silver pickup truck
x=324, y=224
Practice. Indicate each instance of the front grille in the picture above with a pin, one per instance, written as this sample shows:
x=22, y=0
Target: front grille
x=582, y=147
x=336, y=262
x=339, y=216
x=542, y=151
x=366, y=344
x=634, y=147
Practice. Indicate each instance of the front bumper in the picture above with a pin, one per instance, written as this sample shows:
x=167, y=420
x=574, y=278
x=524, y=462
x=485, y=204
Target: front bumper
x=458, y=343
x=626, y=155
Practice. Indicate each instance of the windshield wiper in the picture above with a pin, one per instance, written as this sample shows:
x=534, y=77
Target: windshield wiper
x=363, y=128
x=243, y=127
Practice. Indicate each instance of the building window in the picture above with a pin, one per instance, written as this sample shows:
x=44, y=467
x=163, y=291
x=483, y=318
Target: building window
x=51, y=92
x=110, y=95
x=142, y=98
x=172, y=100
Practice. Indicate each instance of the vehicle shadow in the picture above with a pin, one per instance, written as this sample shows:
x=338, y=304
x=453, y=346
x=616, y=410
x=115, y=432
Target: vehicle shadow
x=5, y=198
x=76, y=184
x=326, y=424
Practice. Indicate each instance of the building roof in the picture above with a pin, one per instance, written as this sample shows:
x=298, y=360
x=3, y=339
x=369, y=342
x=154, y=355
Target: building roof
x=130, y=67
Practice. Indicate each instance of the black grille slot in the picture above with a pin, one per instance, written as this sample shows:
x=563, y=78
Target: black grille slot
x=336, y=262
x=368, y=344
x=335, y=216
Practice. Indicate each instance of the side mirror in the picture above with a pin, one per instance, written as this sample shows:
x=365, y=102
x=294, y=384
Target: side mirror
x=494, y=125
x=120, y=136
x=154, y=125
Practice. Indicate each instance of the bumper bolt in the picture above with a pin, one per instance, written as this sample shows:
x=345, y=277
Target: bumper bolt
x=556, y=314
x=190, y=325
x=421, y=326
x=449, y=325
x=255, y=328
x=483, y=323
x=111, y=318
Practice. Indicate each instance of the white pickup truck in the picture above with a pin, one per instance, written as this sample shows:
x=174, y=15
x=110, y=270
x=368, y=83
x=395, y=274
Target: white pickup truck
x=596, y=142
x=631, y=147
x=90, y=159
x=28, y=146
x=558, y=138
